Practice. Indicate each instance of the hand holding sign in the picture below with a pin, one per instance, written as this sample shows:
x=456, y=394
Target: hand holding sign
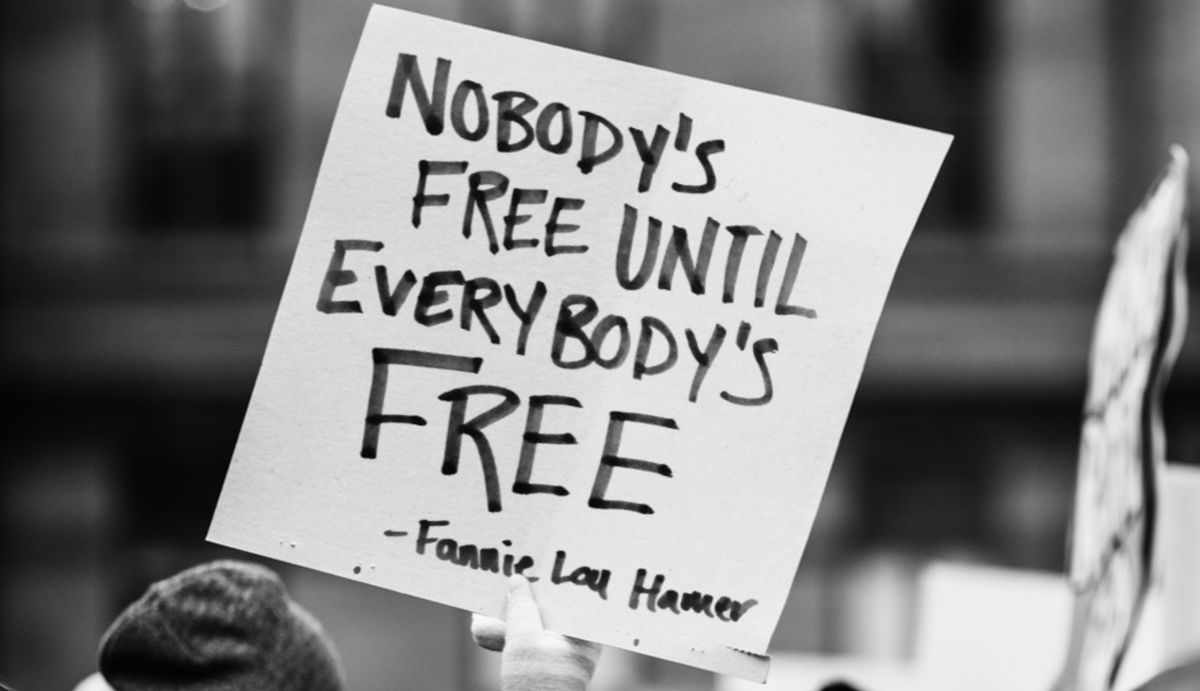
x=534, y=659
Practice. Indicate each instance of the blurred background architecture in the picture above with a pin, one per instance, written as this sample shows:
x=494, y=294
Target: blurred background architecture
x=158, y=157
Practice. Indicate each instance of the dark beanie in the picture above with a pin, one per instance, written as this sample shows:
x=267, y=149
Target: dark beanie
x=224, y=626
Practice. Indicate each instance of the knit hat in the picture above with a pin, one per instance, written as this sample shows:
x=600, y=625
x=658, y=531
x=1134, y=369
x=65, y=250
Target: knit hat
x=223, y=626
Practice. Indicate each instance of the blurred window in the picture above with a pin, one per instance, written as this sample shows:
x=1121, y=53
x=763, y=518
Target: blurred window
x=195, y=111
x=929, y=63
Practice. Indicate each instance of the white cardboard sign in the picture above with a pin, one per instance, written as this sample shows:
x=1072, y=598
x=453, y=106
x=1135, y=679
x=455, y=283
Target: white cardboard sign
x=579, y=319
x=1116, y=536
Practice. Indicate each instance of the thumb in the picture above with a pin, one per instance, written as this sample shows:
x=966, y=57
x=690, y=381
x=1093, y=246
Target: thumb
x=488, y=632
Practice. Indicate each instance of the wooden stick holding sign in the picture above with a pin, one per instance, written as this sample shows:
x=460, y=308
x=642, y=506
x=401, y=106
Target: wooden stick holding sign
x=566, y=317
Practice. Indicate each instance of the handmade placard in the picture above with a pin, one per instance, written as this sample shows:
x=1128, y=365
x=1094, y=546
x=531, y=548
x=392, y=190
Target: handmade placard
x=1116, y=531
x=563, y=316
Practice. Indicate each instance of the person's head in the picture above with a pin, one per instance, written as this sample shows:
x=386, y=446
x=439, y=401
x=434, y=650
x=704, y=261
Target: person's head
x=223, y=626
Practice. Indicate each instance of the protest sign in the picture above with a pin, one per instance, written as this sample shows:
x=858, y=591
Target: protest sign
x=562, y=316
x=1115, y=536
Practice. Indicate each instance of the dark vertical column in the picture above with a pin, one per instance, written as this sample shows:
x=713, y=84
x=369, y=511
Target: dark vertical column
x=1136, y=142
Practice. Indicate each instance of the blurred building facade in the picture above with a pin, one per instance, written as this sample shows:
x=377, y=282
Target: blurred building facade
x=158, y=156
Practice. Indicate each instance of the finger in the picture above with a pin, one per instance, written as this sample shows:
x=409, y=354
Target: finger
x=523, y=615
x=488, y=632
